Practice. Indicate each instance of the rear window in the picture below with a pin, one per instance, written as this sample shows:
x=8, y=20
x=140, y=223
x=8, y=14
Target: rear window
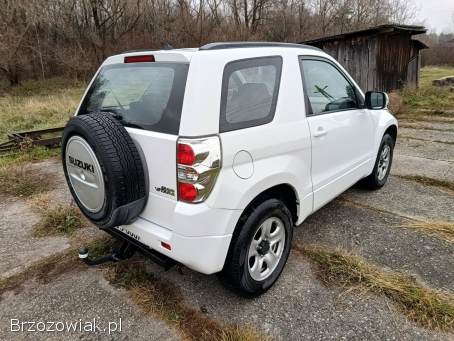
x=142, y=95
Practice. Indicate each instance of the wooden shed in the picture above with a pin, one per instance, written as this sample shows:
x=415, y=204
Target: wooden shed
x=381, y=58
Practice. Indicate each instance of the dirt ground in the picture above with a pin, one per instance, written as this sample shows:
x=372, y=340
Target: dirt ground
x=299, y=306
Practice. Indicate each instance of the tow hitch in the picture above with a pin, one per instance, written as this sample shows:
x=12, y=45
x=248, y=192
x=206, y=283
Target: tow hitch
x=125, y=251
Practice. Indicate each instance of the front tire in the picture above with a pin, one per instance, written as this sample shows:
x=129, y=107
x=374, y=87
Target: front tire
x=382, y=167
x=259, y=248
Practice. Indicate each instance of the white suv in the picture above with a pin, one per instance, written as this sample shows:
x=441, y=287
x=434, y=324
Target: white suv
x=211, y=156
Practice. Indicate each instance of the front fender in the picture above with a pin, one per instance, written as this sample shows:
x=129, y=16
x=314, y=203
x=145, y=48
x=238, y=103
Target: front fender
x=383, y=120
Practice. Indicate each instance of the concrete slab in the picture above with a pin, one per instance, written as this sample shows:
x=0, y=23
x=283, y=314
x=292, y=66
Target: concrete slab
x=18, y=249
x=428, y=150
x=406, y=198
x=74, y=297
x=299, y=307
x=415, y=165
x=432, y=135
x=445, y=126
x=377, y=237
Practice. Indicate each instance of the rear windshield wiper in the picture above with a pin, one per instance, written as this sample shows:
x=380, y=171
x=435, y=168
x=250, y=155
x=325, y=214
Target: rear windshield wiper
x=119, y=118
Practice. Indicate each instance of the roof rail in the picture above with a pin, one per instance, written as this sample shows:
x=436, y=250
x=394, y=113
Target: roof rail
x=245, y=44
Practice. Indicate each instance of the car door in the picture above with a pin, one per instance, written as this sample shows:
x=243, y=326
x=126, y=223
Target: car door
x=341, y=129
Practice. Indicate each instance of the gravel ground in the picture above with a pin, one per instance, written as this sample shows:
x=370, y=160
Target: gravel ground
x=299, y=306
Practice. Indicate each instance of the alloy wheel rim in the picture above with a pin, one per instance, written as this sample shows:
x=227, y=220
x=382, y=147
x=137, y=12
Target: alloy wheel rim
x=266, y=248
x=383, y=162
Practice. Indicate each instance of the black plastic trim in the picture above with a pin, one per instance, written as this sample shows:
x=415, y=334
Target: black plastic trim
x=154, y=255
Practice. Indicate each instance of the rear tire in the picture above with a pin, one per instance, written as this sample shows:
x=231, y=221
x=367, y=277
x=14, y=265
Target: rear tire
x=382, y=167
x=259, y=248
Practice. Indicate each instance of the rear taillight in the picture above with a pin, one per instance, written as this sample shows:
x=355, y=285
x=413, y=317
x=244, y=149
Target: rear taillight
x=185, y=154
x=198, y=165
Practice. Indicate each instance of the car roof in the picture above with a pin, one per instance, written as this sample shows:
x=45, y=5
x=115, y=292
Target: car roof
x=186, y=54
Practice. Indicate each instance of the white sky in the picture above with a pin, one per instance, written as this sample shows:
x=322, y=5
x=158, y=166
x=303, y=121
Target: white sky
x=437, y=15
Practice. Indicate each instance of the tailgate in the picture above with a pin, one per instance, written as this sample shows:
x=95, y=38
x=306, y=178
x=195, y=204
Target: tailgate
x=159, y=152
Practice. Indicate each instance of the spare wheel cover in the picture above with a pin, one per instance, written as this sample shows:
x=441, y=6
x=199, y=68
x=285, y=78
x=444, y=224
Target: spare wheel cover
x=85, y=174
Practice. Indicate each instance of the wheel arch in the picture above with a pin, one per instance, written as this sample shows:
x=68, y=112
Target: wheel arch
x=391, y=130
x=284, y=192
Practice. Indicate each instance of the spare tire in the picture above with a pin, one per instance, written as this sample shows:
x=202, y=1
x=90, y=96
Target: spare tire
x=103, y=169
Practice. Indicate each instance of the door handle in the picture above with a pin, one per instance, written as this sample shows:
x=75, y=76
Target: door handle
x=320, y=132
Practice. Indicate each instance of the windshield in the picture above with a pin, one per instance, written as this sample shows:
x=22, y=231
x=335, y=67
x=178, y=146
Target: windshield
x=142, y=95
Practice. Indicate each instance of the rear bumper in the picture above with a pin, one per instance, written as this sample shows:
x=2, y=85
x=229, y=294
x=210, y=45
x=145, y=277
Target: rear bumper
x=205, y=254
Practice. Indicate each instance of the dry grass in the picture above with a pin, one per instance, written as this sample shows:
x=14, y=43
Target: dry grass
x=163, y=299
x=61, y=220
x=29, y=155
x=22, y=181
x=440, y=229
x=426, y=307
x=51, y=267
x=39, y=104
x=428, y=96
x=426, y=181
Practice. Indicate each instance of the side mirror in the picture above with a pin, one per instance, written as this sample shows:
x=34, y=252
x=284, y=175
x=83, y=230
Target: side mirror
x=376, y=100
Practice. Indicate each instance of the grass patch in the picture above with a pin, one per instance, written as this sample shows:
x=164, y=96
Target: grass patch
x=443, y=229
x=28, y=155
x=61, y=220
x=39, y=104
x=22, y=181
x=428, y=96
x=426, y=181
x=426, y=307
x=51, y=267
x=430, y=73
x=164, y=299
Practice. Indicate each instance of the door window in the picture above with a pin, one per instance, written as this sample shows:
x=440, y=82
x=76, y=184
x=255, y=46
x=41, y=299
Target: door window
x=327, y=89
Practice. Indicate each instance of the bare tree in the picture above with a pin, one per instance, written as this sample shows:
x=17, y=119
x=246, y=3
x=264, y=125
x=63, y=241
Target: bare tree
x=48, y=37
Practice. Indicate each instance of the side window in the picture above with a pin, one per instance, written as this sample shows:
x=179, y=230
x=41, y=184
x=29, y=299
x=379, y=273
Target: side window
x=249, y=92
x=326, y=88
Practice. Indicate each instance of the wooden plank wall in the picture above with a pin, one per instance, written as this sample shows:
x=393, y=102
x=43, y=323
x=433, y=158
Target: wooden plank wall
x=377, y=62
